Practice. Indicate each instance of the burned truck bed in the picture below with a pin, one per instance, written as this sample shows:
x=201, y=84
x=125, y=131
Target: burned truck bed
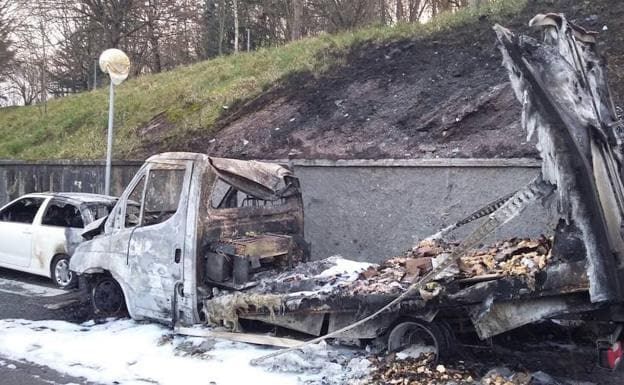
x=316, y=298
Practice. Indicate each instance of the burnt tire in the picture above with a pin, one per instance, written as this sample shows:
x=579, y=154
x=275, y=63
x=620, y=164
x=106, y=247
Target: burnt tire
x=107, y=298
x=420, y=333
x=60, y=273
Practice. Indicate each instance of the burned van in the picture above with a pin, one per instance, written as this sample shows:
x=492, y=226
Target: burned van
x=188, y=223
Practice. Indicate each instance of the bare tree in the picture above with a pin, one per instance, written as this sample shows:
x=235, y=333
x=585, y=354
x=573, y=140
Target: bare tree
x=24, y=80
x=33, y=46
x=235, y=13
x=344, y=14
x=416, y=9
x=117, y=19
x=383, y=12
x=73, y=70
x=400, y=12
x=63, y=39
x=296, y=19
x=222, y=14
x=6, y=53
x=153, y=15
x=43, y=36
x=169, y=37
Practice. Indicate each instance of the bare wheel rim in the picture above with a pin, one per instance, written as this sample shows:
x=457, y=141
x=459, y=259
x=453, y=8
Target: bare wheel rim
x=107, y=297
x=408, y=334
x=62, y=274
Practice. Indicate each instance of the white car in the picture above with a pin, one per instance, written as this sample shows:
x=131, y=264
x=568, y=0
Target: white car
x=39, y=232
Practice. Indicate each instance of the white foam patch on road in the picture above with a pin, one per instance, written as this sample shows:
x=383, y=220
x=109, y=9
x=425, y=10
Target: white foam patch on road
x=28, y=289
x=128, y=353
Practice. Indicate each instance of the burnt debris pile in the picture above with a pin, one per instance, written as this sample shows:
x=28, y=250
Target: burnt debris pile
x=335, y=280
x=514, y=257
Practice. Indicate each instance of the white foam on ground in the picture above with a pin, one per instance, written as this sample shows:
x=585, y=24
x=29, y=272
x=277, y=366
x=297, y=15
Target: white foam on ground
x=28, y=289
x=128, y=353
x=346, y=268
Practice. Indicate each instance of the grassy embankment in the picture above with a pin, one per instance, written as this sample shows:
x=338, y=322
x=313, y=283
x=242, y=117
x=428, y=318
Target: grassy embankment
x=193, y=97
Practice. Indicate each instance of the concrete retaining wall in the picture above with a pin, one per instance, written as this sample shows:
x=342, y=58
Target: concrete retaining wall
x=366, y=210
x=373, y=210
x=18, y=178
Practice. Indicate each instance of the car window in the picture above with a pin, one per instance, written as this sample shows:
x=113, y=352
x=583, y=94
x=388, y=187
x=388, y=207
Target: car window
x=161, y=198
x=133, y=205
x=226, y=196
x=62, y=214
x=22, y=211
x=99, y=210
x=163, y=194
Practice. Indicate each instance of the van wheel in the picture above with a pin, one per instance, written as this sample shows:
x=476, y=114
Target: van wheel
x=107, y=298
x=61, y=275
x=421, y=336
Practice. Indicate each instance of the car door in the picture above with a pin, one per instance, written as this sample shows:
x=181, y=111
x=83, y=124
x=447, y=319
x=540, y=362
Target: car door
x=156, y=244
x=58, y=232
x=16, y=230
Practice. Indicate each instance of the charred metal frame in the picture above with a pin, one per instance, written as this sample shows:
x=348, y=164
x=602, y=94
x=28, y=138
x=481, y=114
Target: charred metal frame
x=161, y=267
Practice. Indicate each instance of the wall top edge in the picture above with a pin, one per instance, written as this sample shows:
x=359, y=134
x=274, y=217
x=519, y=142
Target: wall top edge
x=421, y=162
x=426, y=162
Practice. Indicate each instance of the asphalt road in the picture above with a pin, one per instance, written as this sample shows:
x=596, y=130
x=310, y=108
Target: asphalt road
x=34, y=298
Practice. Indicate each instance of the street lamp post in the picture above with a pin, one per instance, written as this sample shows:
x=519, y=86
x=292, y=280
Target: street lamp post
x=109, y=138
x=116, y=64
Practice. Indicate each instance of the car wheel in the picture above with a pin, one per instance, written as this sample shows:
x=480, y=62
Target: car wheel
x=107, y=298
x=61, y=275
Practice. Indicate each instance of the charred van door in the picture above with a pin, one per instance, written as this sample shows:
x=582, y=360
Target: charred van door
x=157, y=214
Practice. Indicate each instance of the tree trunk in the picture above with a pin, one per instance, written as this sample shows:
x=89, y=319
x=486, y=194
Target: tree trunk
x=154, y=39
x=221, y=13
x=44, y=81
x=156, y=53
x=383, y=12
x=414, y=10
x=297, y=14
x=235, y=10
x=400, y=15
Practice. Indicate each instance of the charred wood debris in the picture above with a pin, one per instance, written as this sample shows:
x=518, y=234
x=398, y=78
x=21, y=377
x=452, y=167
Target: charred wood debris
x=313, y=286
x=522, y=258
x=421, y=371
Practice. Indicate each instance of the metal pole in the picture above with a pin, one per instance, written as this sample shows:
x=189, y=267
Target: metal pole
x=109, y=146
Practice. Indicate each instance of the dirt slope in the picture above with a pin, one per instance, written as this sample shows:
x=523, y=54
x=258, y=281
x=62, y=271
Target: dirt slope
x=442, y=97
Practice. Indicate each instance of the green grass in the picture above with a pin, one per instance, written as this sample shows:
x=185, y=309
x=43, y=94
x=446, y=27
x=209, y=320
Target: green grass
x=192, y=97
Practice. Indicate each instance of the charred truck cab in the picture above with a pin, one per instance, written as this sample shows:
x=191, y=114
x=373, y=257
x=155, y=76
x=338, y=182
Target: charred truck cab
x=185, y=224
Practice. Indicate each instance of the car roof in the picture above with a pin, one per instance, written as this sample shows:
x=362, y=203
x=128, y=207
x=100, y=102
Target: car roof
x=77, y=197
